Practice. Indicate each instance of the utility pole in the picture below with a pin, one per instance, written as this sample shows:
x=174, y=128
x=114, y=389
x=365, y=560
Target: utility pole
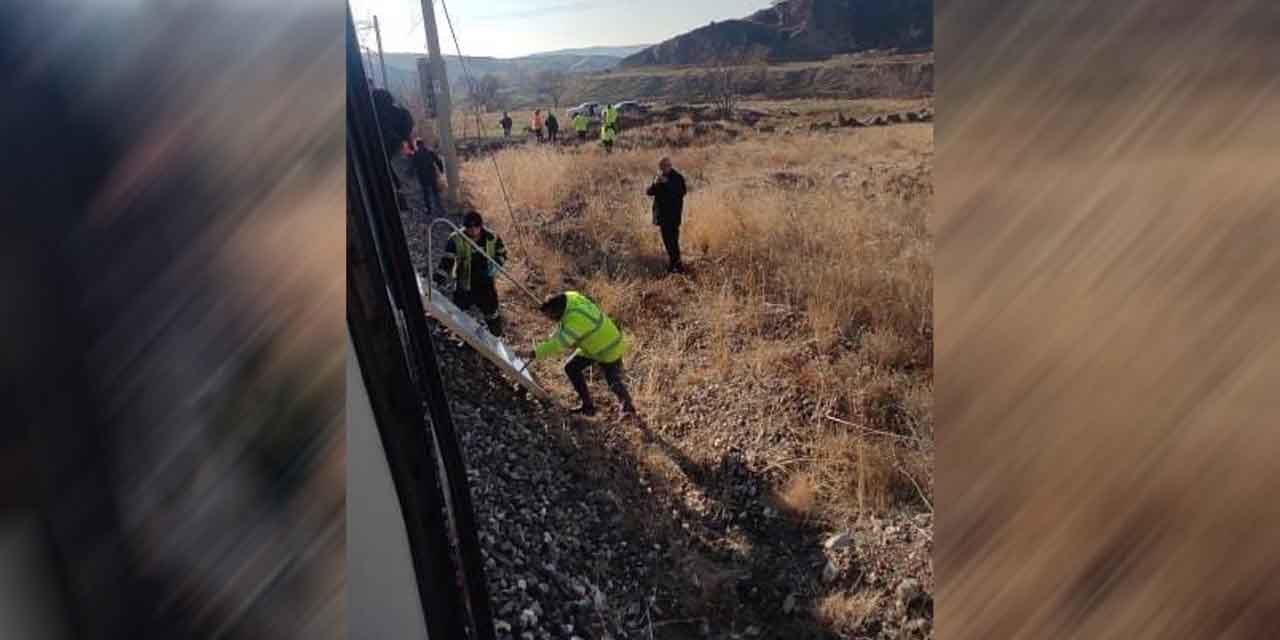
x=381, y=61
x=444, y=115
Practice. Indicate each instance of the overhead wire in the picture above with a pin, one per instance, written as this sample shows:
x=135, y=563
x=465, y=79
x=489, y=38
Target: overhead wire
x=466, y=72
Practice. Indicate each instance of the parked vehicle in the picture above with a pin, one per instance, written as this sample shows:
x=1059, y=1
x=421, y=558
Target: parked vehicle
x=591, y=109
x=630, y=106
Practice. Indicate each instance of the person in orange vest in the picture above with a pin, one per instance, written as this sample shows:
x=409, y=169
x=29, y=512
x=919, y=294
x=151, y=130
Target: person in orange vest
x=535, y=123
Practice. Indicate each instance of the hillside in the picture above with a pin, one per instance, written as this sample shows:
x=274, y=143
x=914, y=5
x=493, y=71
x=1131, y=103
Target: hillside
x=794, y=30
x=843, y=77
x=402, y=67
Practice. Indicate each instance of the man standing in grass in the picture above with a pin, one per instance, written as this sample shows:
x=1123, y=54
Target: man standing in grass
x=535, y=123
x=668, y=191
x=593, y=338
x=608, y=127
x=580, y=124
x=506, y=125
x=553, y=127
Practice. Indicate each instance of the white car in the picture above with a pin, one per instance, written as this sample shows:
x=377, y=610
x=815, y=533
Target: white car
x=590, y=109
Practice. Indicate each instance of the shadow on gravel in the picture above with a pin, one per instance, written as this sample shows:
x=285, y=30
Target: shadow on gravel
x=679, y=549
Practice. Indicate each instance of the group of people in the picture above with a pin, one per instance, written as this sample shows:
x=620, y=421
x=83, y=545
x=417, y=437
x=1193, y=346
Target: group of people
x=474, y=256
x=547, y=129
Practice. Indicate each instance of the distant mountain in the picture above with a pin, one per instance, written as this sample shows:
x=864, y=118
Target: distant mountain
x=402, y=68
x=793, y=30
x=613, y=52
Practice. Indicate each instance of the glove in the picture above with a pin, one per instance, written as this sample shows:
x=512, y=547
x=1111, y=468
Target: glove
x=491, y=269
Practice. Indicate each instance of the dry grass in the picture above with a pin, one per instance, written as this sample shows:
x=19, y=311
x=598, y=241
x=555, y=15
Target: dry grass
x=799, y=495
x=812, y=269
x=845, y=611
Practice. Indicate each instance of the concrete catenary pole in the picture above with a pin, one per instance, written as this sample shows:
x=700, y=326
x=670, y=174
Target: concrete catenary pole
x=440, y=84
x=381, y=61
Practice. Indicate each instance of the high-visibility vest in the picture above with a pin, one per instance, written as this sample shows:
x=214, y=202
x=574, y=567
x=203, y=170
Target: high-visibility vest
x=607, y=134
x=584, y=327
x=610, y=117
x=463, y=249
x=580, y=122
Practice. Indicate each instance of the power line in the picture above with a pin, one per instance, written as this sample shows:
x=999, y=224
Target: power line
x=462, y=61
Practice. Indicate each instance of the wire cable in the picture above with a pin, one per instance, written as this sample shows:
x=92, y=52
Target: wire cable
x=466, y=72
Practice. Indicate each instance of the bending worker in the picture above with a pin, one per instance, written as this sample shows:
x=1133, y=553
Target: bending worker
x=594, y=339
x=474, y=270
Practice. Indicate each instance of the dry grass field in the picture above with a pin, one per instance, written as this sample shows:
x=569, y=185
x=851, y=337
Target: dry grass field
x=802, y=336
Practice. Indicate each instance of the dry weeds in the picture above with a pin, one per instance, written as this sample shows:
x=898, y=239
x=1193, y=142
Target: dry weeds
x=846, y=611
x=812, y=270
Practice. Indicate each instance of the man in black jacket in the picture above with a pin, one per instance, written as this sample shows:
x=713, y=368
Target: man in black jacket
x=396, y=125
x=428, y=167
x=553, y=126
x=668, y=190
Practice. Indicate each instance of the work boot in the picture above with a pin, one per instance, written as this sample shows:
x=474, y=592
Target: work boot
x=628, y=407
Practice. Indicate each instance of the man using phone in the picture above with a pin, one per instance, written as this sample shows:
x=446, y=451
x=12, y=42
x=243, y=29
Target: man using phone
x=668, y=191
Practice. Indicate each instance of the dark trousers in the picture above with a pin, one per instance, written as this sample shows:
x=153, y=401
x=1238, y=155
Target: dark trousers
x=671, y=240
x=483, y=296
x=553, y=134
x=577, y=367
x=430, y=199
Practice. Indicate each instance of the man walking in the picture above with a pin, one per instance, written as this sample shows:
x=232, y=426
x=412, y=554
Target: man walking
x=668, y=191
x=472, y=270
x=580, y=124
x=506, y=125
x=593, y=338
x=428, y=167
x=553, y=127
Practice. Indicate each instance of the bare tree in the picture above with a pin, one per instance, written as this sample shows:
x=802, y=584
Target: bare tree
x=485, y=91
x=725, y=82
x=553, y=84
x=732, y=78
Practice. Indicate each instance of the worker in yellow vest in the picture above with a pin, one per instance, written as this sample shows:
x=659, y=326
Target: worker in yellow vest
x=609, y=127
x=593, y=338
x=474, y=271
x=580, y=124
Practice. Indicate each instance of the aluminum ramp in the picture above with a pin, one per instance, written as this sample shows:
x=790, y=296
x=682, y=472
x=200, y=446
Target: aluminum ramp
x=440, y=307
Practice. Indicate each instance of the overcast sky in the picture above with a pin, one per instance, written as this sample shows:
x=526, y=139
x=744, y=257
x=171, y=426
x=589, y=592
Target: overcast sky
x=511, y=28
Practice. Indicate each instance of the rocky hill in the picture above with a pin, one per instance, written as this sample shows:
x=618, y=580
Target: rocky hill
x=794, y=30
x=907, y=76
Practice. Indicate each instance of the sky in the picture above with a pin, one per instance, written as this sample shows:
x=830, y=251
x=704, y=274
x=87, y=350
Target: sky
x=513, y=28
